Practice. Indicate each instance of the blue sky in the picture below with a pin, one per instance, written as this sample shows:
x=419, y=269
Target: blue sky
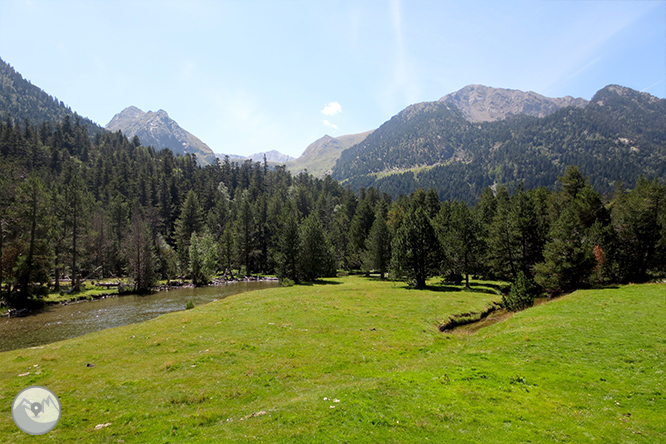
x=253, y=75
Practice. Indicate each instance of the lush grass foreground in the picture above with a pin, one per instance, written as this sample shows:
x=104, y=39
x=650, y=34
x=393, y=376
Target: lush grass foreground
x=359, y=360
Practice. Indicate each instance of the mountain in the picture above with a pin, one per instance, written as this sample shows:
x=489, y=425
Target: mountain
x=480, y=103
x=158, y=130
x=21, y=100
x=619, y=135
x=271, y=156
x=320, y=156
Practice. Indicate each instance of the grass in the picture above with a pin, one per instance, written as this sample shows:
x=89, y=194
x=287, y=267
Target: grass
x=361, y=360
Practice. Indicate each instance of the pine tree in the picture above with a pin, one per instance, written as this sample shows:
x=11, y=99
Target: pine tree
x=140, y=254
x=463, y=245
x=316, y=256
x=415, y=250
x=521, y=294
x=379, y=244
x=568, y=255
x=190, y=221
x=31, y=245
x=288, y=246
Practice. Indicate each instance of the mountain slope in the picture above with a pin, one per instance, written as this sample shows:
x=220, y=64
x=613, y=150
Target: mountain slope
x=619, y=135
x=157, y=129
x=320, y=156
x=480, y=103
x=21, y=100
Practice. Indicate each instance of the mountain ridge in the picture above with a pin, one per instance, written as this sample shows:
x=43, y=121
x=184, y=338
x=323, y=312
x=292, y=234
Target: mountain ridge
x=620, y=133
x=159, y=130
x=320, y=156
x=480, y=103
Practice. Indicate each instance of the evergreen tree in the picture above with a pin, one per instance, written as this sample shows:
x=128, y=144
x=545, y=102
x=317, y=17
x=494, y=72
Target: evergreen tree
x=638, y=219
x=463, y=245
x=568, y=255
x=140, y=254
x=189, y=221
x=31, y=245
x=415, y=250
x=521, y=294
x=316, y=256
x=288, y=246
x=379, y=244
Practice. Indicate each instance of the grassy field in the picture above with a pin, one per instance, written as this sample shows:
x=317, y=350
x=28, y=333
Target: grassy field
x=361, y=361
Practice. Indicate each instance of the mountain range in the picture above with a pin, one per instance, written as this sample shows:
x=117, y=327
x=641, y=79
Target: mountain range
x=481, y=137
x=470, y=139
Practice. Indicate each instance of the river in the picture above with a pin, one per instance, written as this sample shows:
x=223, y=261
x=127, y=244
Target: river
x=58, y=322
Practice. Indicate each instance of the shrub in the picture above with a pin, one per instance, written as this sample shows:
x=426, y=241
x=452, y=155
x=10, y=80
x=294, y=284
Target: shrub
x=189, y=305
x=286, y=282
x=521, y=294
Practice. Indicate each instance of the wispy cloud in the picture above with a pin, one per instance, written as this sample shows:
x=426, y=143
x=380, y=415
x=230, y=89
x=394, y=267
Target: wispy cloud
x=332, y=109
x=327, y=123
x=403, y=87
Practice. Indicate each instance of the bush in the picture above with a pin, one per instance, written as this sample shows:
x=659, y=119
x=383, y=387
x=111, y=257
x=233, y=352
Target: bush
x=521, y=294
x=286, y=282
x=189, y=305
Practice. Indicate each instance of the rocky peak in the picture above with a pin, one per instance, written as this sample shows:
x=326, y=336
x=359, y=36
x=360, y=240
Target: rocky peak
x=158, y=130
x=480, y=103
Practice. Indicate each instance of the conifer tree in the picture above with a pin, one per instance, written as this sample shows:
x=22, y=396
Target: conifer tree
x=379, y=244
x=31, y=245
x=140, y=253
x=568, y=255
x=190, y=221
x=288, y=246
x=316, y=256
x=415, y=250
x=463, y=243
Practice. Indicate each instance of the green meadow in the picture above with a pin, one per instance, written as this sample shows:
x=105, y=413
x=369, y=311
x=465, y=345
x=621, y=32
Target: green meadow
x=358, y=360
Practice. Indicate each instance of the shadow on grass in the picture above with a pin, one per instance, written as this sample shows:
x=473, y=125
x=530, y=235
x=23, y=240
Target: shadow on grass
x=470, y=289
x=319, y=282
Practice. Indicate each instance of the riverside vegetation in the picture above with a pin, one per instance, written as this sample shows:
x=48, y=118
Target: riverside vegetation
x=357, y=359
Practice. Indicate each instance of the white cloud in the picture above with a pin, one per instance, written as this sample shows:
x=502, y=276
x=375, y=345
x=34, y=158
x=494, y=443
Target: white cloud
x=332, y=108
x=327, y=123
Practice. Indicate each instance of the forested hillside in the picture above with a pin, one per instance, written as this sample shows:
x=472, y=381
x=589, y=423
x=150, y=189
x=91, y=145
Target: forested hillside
x=21, y=100
x=620, y=135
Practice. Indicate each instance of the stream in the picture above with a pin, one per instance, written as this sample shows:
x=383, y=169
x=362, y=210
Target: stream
x=58, y=322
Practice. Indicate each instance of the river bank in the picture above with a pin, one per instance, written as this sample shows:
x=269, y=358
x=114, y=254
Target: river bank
x=75, y=318
x=63, y=299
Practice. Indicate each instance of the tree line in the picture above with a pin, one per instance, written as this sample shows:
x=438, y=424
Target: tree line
x=77, y=207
